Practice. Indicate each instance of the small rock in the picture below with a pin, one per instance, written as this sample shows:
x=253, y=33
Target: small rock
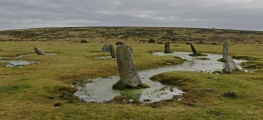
x=146, y=100
x=57, y=104
x=230, y=94
x=191, y=104
x=130, y=100
x=74, y=83
x=83, y=41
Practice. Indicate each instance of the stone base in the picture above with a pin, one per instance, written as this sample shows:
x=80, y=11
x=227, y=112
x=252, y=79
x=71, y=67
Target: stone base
x=236, y=70
x=222, y=60
x=120, y=86
x=167, y=52
x=198, y=54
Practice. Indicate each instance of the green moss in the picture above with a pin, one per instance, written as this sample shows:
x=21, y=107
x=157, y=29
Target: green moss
x=143, y=85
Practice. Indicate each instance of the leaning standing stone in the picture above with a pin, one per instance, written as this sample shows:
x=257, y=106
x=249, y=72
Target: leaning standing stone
x=225, y=50
x=193, y=49
x=230, y=65
x=105, y=48
x=112, y=53
x=127, y=71
x=167, y=47
x=39, y=51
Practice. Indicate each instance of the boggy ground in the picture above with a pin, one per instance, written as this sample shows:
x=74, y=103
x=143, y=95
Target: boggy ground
x=43, y=91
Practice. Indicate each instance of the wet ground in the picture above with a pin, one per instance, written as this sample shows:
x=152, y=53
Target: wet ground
x=100, y=89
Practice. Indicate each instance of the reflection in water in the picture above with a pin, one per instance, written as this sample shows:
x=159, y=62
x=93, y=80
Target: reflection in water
x=100, y=90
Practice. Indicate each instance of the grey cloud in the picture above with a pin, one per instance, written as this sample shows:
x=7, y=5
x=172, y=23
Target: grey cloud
x=228, y=14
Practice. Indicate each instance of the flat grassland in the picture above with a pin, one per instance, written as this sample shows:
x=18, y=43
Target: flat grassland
x=30, y=92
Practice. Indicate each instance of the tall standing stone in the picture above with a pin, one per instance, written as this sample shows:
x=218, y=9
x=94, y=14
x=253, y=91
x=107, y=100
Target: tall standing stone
x=112, y=53
x=167, y=47
x=193, y=49
x=225, y=50
x=127, y=71
x=105, y=48
x=39, y=51
x=230, y=65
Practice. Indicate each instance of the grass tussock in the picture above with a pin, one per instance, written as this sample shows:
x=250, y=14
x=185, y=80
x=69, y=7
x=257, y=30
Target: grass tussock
x=215, y=91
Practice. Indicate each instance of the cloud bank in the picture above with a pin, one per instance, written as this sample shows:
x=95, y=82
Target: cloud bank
x=225, y=14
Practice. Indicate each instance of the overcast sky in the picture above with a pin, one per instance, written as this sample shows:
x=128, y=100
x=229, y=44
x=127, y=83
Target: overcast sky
x=226, y=14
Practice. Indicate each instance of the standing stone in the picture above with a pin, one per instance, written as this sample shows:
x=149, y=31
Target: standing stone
x=225, y=50
x=112, y=53
x=167, y=47
x=39, y=51
x=105, y=48
x=127, y=71
x=193, y=49
x=230, y=65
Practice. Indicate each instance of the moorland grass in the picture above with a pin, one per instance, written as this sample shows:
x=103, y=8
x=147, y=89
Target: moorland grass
x=30, y=92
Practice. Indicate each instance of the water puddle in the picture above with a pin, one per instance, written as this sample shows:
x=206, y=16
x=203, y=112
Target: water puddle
x=100, y=89
x=13, y=61
x=197, y=64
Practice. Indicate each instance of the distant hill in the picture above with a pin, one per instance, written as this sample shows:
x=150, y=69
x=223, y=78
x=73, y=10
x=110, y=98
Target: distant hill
x=139, y=34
